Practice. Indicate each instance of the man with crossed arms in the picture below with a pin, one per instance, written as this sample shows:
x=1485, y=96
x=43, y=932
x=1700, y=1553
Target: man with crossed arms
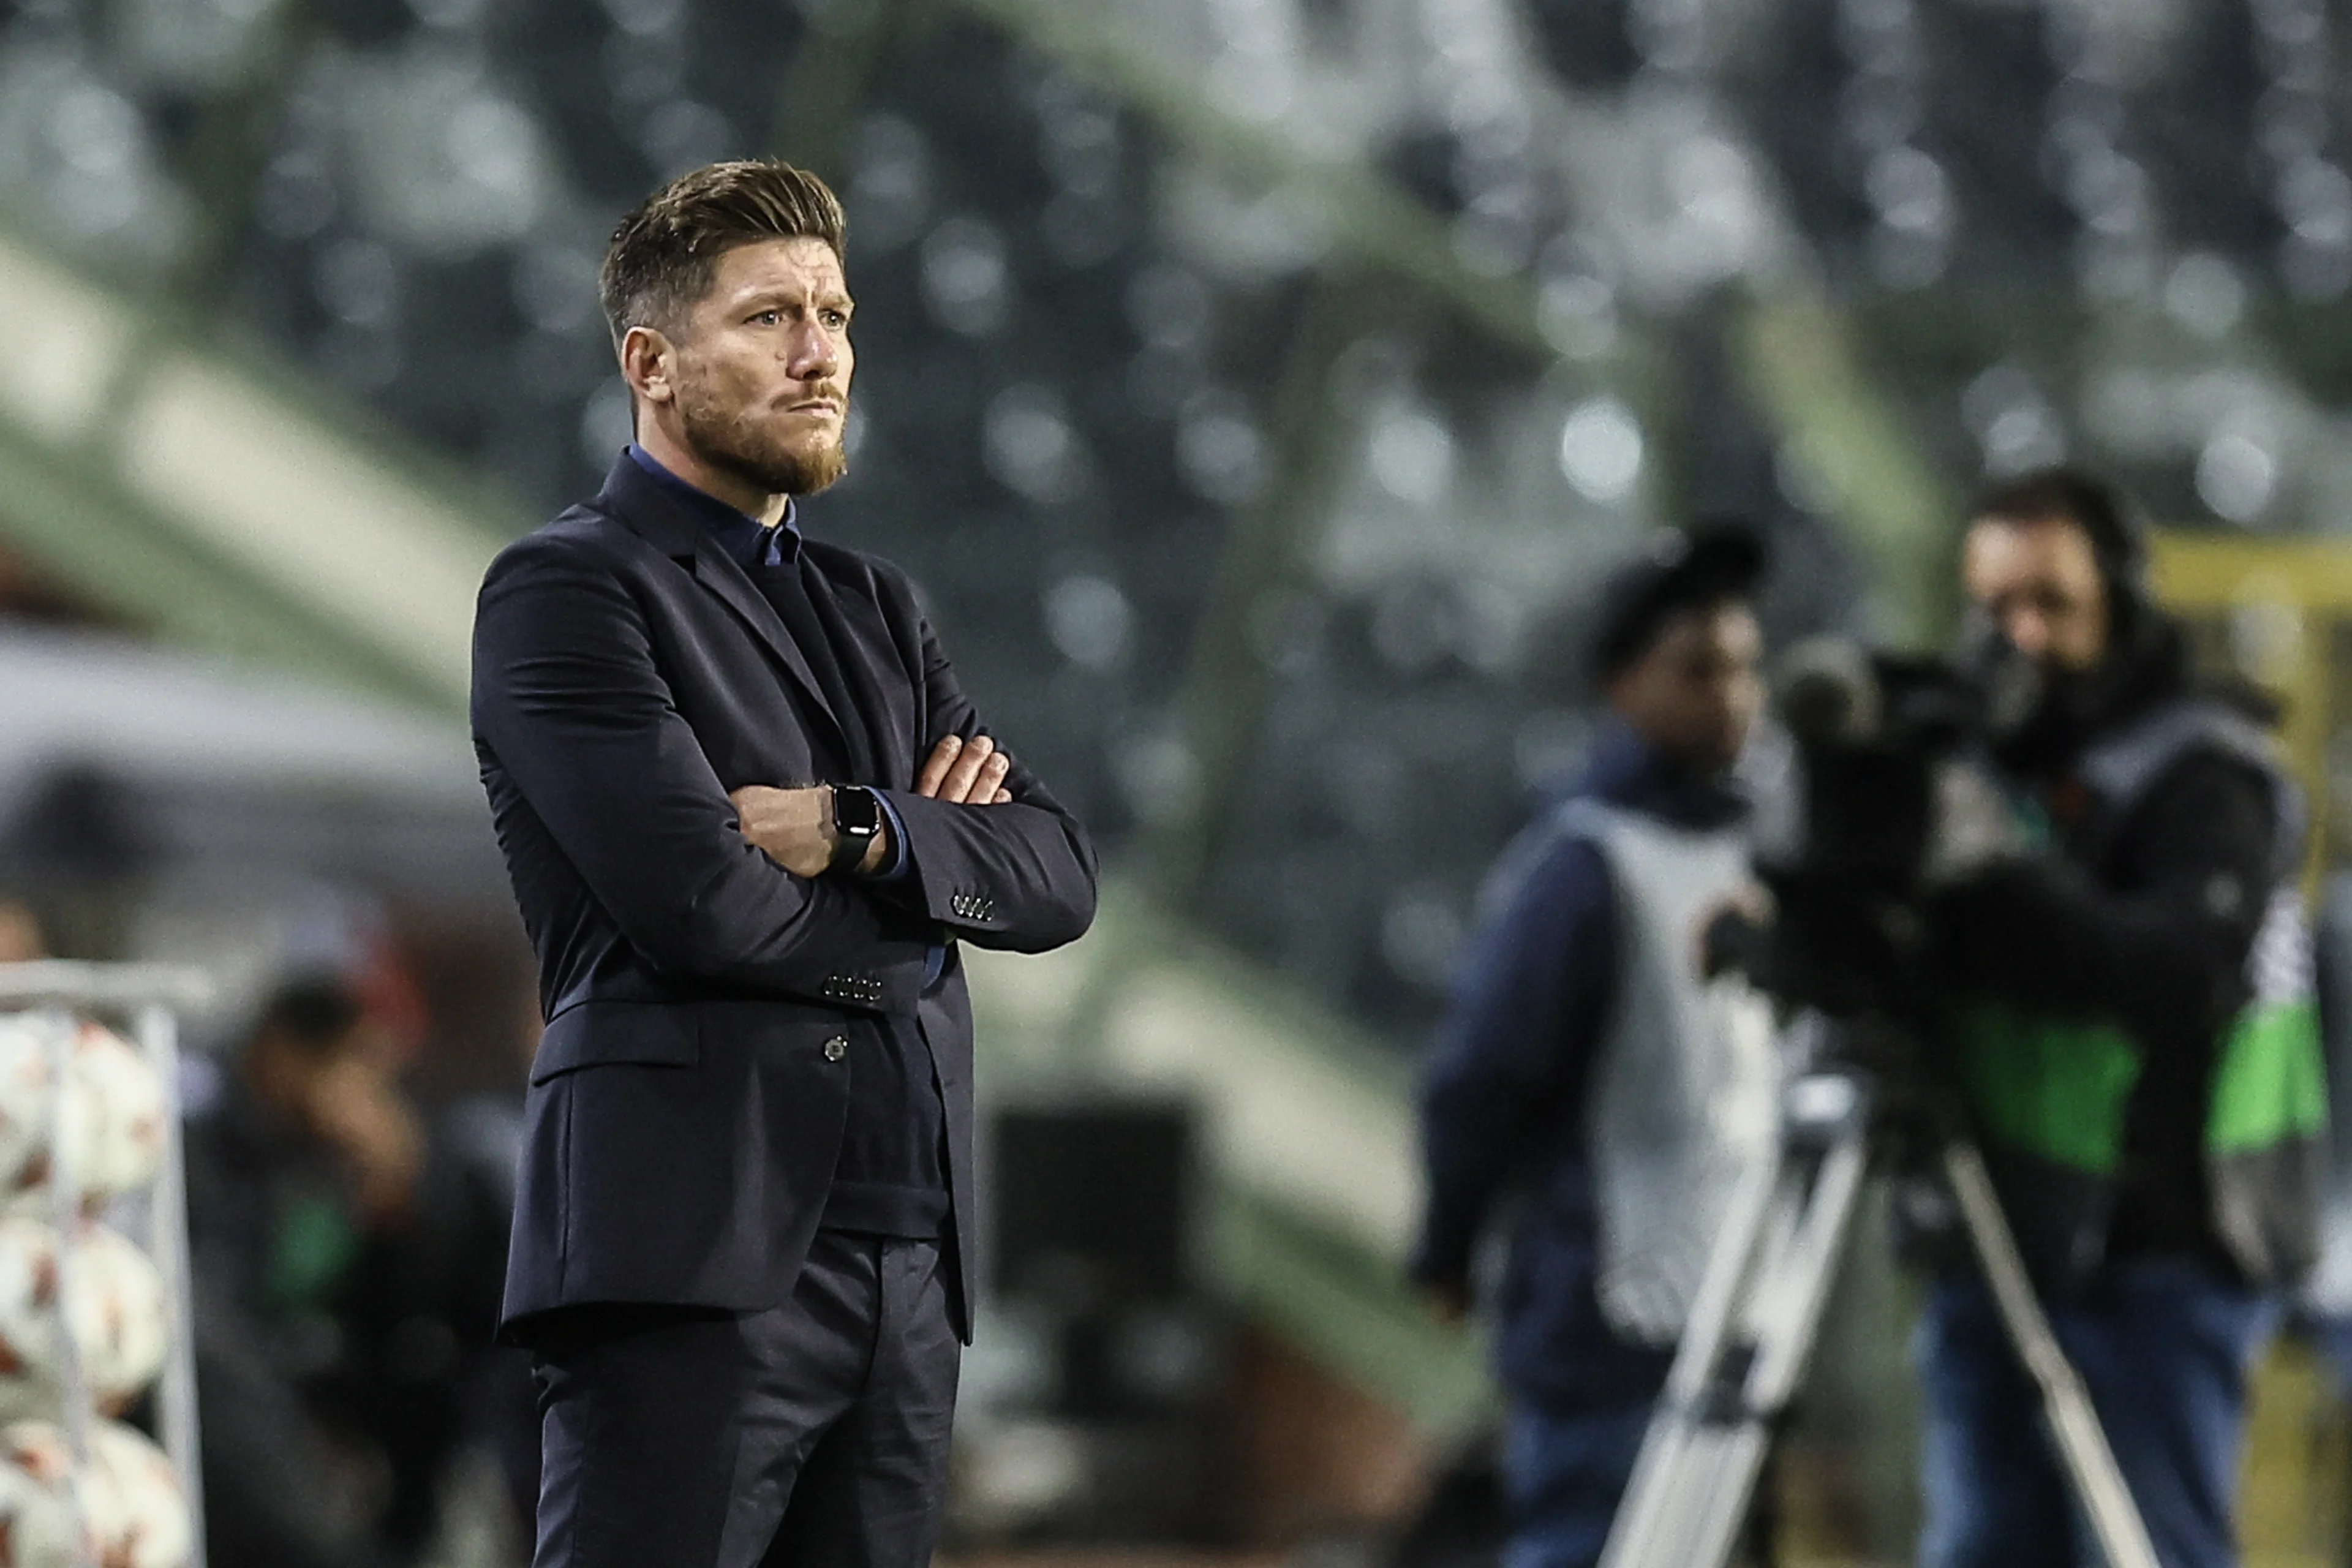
x=749, y=817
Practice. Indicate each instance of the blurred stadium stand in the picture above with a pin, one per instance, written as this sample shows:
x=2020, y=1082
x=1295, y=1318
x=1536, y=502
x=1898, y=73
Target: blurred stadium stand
x=1254, y=387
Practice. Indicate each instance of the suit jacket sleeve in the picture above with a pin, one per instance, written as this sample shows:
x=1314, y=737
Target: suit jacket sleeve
x=569, y=699
x=1019, y=876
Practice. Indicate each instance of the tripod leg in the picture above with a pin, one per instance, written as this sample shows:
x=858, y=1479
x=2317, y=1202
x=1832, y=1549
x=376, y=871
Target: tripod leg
x=2082, y=1446
x=1749, y=1341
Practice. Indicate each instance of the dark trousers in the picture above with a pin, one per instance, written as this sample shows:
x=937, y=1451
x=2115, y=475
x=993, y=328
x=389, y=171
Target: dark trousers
x=2162, y=1346
x=1564, y=1473
x=812, y=1434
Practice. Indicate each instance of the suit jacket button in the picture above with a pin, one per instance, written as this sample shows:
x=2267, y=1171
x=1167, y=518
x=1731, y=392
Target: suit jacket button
x=835, y=1048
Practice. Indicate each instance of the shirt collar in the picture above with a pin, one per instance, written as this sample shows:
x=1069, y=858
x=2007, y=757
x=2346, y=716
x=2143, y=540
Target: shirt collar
x=743, y=537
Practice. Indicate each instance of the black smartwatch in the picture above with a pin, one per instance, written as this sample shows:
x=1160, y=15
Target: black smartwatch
x=856, y=822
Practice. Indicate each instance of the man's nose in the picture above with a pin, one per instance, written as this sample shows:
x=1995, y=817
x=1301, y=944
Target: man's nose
x=811, y=356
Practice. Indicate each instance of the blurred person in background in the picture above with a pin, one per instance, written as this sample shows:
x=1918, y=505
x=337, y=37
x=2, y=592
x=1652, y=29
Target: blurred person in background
x=748, y=814
x=2136, y=1045
x=340, y=1273
x=1590, y=1067
x=21, y=939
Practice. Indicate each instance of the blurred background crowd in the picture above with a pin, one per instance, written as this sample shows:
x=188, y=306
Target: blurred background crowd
x=1256, y=390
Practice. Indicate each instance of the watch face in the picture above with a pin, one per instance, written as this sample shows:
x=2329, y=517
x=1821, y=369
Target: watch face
x=855, y=812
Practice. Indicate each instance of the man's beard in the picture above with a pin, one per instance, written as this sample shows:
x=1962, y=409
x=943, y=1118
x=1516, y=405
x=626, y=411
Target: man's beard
x=748, y=446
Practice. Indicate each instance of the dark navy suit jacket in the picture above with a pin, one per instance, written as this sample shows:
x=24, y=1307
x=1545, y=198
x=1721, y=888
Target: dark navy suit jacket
x=705, y=1007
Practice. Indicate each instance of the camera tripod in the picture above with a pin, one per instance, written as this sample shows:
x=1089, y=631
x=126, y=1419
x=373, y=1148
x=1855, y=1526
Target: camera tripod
x=1749, y=1338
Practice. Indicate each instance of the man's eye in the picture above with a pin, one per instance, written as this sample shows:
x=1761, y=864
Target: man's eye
x=767, y=318
x=837, y=318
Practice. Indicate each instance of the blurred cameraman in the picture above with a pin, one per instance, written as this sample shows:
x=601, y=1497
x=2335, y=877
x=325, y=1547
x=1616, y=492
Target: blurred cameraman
x=2136, y=1062
x=1588, y=1069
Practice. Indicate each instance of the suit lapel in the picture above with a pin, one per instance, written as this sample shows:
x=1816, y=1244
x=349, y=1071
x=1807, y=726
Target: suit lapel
x=715, y=571
x=638, y=500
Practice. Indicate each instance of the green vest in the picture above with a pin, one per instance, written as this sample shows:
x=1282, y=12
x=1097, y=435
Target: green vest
x=2047, y=1098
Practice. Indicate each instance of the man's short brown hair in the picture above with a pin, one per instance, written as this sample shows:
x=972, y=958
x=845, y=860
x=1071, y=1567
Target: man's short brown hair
x=663, y=255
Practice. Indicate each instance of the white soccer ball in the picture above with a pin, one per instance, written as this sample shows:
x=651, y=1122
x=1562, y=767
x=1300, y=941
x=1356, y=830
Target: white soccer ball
x=112, y=1125
x=114, y=1304
x=109, y=1116
x=137, y=1508
x=38, y=1512
x=129, y=1506
x=28, y=1090
x=119, y=1314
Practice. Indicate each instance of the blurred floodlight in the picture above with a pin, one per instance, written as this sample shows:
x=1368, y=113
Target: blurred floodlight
x=1576, y=314
x=1420, y=934
x=441, y=159
x=2290, y=125
x=2266, y=641
x=2313, y=272
x=966, y=280
x=2014, y=425
x=644, y=18
x=1089, y=621
x=358, y=281
x=1157, y=775
x=1168, y=306
x=889, y=191
x=83, y=150
x=1876, y=111
x=1029, y=445
x=2022, y=438
x=2315, y=196
x=604, y=424
x=1910, y=192
x=449, y=15
x=1601, y=449
x=2110, y=192
x=1253, y=73
x=2205, y=295
x=198, y=46
x=555, y=287
x=1078, y=134
x=1411, y=453
x=295, y=197
x=2236, y=475
x=685, y=134
x=1219, y=450
x=1710, y=183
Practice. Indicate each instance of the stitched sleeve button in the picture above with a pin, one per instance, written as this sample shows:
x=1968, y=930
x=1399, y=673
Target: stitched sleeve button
x=835, y=1048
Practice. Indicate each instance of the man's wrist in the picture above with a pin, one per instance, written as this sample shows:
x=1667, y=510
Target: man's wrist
x=855, y=829
x=879, y=852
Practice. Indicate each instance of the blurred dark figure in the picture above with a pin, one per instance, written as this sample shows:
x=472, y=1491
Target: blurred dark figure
x=2135, y=1043
x=343, y=1269
x=482, y=1134
x=1590, y=1068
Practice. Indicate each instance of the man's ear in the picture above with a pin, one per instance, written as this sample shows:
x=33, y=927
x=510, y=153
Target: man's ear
x=648, y=365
